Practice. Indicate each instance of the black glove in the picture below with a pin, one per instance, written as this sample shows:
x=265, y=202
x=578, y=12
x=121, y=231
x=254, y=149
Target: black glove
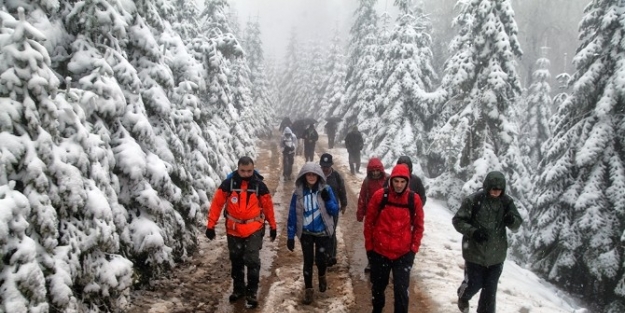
x=343, y=208
x=480, y=235
x=290, y=244
x=370, y=255
x=325, y=195
x=210, y=233
x=508, y=219
x=272, y=234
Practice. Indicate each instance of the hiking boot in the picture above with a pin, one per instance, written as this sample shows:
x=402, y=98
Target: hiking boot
x=308, y=296
x=463, y=305
x=235, y=295
x=323, y=284
x=251, y=301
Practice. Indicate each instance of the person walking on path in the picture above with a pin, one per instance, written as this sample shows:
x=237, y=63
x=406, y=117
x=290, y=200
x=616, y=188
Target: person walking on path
x=376, y=177
x=334, y=180
x=311, y=219
x=330, y=128
x=310, y=139
x=288, y=145
x=482, y=220
x=393, y=232
x=248, y=205
x=416, y=184
x=354, y=144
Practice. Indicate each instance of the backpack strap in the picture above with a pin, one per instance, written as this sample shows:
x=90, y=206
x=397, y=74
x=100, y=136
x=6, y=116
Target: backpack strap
x=410, y=205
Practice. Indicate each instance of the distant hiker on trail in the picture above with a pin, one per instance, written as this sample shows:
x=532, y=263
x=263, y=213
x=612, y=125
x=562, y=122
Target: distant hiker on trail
x=288, y=144
x=330, y=128
x=286, y=122
x=334, y=180
x=416, y=184
x=310, y=139
x=376, y=177
x=482, y=220
x=393, y=233
x=311, y=218
x=354, y=144
x=248, y=205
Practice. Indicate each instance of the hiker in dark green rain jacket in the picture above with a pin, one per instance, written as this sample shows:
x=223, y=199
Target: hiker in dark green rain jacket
x=482, y=220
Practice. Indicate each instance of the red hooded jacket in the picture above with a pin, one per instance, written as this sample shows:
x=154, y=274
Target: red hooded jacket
x=370, y=186
x=388, y=231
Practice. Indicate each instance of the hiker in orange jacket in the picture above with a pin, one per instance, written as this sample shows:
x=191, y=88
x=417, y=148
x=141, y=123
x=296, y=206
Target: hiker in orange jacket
x=248, y=205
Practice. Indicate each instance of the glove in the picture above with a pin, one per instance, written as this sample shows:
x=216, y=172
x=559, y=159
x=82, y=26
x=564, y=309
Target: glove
x=480, y=235
x=370, y=255
x=325, y=195
x=210, y=233
x=343, y=208
x=272, y=234
x=508, y=219
x=290, y=244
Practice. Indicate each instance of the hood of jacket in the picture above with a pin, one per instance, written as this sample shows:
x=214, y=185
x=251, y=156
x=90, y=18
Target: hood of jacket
x=405, y=160
x=287, y=130
x=310, y=167
x=495, y=179
x=400, y=170
x=374, y=164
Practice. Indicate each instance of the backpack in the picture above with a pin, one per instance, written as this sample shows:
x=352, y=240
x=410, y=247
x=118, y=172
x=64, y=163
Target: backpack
x=410, y=206
x=287, y=144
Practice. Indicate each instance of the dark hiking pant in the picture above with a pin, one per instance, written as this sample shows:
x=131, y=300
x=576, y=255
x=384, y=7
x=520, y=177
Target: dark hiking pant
x=331, y=136
x=287, y=164
x=315, y=249
x=244, y=252
x=333, y=242
x=381, y=268
x=478, y=277
x=354, y=161
x=309, y=151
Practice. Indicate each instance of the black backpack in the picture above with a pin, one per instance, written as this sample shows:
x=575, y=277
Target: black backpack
x=410, y=206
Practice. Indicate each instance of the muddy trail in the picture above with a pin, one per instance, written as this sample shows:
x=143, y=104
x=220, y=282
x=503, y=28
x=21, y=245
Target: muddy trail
x=203, y=283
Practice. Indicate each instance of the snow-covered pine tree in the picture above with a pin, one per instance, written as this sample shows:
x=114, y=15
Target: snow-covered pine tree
x=262, y=110
x=334, y=84
x=358, y=108
x=406, y=75
x=27, y=121
x=186, y=25
x=580, y=206
x=291, y=69
x=481, y=83
x=535, y=126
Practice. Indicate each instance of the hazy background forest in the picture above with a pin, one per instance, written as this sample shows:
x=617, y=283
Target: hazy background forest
x=119, y=118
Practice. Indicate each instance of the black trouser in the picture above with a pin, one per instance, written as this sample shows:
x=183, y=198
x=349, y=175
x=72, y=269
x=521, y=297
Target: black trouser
x=381, y=268
x=331, y=136
x=244, y=252
x=315, y=249
x=287, y=164
x=478, y=277
x=354, y=161
x=309, y=151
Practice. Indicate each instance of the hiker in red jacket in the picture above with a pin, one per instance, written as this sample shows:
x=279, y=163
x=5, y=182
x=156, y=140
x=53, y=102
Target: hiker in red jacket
x=393, y=232
x=376, y=178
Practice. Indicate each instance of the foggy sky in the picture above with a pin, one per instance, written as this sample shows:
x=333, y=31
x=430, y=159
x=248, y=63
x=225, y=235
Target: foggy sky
x=311, y=19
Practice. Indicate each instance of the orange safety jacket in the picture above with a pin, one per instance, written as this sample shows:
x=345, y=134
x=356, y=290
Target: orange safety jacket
x=248, y=204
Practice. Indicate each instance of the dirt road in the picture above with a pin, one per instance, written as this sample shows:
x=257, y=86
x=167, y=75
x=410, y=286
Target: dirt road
x=203, y=284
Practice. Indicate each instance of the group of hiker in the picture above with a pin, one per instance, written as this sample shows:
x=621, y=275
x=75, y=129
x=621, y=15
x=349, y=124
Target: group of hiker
x=391, y=207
